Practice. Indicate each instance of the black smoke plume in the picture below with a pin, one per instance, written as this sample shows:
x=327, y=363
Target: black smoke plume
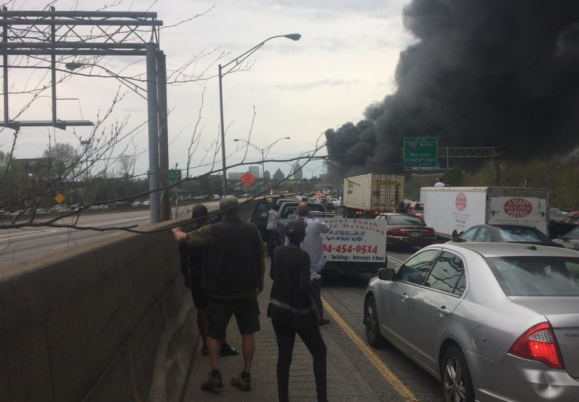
x=500, y=73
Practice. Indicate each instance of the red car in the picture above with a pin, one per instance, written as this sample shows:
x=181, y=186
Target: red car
x=407, y=230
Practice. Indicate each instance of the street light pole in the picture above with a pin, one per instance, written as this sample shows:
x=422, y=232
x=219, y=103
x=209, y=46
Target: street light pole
x=263, y=170
x=237, y=61
x=222, y=132
x=263, y=153
x=156, y=96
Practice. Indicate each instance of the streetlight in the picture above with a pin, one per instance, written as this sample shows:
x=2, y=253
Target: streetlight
x=314, y=169
x=237, y=61
x=133, y=87
x=156, y=96
x=263, y=152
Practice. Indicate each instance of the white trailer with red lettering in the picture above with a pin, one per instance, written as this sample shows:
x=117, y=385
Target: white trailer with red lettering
x=447, y=209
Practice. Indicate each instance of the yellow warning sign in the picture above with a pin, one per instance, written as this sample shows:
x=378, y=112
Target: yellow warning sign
x=59, y=198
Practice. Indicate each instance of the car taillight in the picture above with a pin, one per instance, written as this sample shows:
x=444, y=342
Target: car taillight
x=395, y=232
x=429, y=232
x=539, y=343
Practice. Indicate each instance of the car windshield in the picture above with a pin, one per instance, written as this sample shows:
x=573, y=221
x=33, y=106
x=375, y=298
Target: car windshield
x=537, y=276
x=405, y=220
x=290, y=209
x=522, y=234
x=573, y=235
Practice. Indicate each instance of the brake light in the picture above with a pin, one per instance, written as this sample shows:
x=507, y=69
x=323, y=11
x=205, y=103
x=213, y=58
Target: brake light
x=395, y=232
x=429, y=232
x=539, y=343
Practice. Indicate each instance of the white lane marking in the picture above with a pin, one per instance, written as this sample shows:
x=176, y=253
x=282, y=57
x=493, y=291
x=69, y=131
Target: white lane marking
x=395, y=260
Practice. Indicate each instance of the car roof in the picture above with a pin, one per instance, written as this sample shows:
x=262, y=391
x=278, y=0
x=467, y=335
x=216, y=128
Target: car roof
x=307, y=202
x=498, y=249
x=504, y=226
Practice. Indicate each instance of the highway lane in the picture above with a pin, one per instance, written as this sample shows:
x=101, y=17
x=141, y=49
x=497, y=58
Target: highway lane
x=344, y=294
x=17, y=245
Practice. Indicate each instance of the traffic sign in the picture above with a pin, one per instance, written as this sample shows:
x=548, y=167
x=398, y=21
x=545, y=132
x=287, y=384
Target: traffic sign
x=59, y=198
x=174, y=176
x=420, y=152
x=248, y=179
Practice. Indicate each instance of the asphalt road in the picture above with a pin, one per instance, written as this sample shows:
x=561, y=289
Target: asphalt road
x=345, y=295
x=17, y=245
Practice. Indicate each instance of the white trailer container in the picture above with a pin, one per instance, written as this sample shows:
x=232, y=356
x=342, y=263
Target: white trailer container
x=374, y=193
x=447, y=209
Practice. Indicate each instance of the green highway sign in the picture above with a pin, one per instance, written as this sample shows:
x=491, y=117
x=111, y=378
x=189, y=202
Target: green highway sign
x=420, y=152
x=174, y=176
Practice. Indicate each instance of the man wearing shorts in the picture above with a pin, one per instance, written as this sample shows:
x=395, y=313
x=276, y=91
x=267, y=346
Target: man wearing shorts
x=233, y=274
x=191, y=260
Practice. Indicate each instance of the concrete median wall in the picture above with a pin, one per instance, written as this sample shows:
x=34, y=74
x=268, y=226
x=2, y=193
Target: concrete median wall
x=110, y=321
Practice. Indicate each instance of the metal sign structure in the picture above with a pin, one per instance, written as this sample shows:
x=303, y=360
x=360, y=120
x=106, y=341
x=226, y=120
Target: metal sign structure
x=58, y=35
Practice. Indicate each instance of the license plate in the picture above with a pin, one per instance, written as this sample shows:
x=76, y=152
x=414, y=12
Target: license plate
x=414, y=234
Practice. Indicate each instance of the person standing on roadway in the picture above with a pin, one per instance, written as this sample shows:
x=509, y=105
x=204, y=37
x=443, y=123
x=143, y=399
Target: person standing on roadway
x=313, y=246
x=271, y=228
x=191, y=261
x=439, y=183
x=233, y=275
x=292, y=311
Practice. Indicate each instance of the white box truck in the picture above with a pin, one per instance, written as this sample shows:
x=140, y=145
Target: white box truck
x=447, y=209
x=372, y=193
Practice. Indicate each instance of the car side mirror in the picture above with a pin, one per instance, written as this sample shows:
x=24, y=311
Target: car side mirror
x=386, y=274
x=455, y=237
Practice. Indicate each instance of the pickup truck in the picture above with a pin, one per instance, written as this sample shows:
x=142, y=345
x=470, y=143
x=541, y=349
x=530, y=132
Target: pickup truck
x=352, y=245
x=287, y=210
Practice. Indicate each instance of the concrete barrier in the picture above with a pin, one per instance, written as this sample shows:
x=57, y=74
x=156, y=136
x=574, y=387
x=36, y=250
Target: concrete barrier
x=109, y=321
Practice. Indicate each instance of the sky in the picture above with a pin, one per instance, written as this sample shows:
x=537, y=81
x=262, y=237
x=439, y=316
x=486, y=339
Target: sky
x=344, y=61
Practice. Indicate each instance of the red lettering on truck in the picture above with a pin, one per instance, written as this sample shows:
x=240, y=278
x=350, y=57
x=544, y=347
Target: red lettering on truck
x=518, y=207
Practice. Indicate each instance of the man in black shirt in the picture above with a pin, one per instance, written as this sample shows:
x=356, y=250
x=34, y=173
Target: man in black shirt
x=191, y=259
x=233, y=274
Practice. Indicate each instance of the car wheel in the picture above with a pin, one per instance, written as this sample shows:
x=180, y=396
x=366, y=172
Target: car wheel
x=456, y=381
x=373, y=334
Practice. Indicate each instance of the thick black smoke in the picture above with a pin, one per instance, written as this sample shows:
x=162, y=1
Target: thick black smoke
x=501, y=73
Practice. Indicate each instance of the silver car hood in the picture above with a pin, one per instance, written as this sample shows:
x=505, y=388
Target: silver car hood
x=563, y=314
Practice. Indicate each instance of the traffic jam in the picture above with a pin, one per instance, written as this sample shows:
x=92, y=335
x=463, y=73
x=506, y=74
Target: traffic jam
x=473, y=291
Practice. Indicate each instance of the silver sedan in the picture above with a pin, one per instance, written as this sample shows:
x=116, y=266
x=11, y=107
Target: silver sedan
x=491, y=321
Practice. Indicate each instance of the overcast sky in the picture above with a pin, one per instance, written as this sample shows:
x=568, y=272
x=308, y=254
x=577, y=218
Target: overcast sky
x=344, y=61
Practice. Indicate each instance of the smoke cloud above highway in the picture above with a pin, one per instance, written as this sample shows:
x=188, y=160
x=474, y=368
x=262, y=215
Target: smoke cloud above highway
x=482, y=73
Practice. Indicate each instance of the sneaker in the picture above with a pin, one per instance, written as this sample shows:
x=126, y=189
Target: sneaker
x=211, y=383
x=227, y=350
x=243, y=384
x=323, y=321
